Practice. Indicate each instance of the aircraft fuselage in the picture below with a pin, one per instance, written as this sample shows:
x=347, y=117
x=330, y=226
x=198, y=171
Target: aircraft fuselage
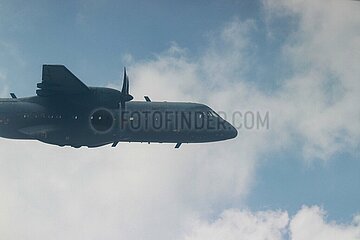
x=66, y=112
x=95, y=119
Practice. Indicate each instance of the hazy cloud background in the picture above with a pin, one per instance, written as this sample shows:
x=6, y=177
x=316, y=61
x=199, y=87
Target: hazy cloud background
x=139, y=191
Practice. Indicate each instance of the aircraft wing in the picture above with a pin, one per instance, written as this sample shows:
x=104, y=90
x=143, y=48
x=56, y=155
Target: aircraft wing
x=40, y=131
x=58, y=80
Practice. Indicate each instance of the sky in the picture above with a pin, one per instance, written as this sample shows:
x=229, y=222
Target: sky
x=296, y=60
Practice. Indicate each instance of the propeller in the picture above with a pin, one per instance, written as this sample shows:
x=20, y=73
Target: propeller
x=125, y=96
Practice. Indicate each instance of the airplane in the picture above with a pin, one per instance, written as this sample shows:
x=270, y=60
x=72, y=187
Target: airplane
x=66, y=112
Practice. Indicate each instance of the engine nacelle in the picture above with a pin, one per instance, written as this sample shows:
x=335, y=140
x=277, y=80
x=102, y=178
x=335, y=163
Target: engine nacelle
x=102, y=121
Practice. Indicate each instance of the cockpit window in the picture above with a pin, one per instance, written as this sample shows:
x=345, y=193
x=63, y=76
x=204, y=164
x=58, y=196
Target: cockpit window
x=214, y=113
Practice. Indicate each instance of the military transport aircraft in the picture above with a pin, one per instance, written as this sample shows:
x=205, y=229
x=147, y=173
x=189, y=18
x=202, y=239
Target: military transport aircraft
x=66, y=112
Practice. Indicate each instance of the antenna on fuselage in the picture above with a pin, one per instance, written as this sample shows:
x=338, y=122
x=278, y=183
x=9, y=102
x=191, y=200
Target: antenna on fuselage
x=147, y=98
x=13, y=95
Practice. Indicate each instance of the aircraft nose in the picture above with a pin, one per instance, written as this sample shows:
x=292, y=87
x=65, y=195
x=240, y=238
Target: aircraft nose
x=231, y=132
x=228, y=132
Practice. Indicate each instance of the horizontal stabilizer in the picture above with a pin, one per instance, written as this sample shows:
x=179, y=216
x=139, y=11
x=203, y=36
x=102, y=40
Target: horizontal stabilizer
x=58, y=80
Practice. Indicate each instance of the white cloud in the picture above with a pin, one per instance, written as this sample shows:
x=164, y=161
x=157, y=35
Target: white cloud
x=235, y=224
x=310, y=224
x=135, y=191
x=314, y=104
x=307, y=224
x=324, y=51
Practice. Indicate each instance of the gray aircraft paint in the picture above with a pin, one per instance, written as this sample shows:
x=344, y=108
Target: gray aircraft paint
x=66, y=112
